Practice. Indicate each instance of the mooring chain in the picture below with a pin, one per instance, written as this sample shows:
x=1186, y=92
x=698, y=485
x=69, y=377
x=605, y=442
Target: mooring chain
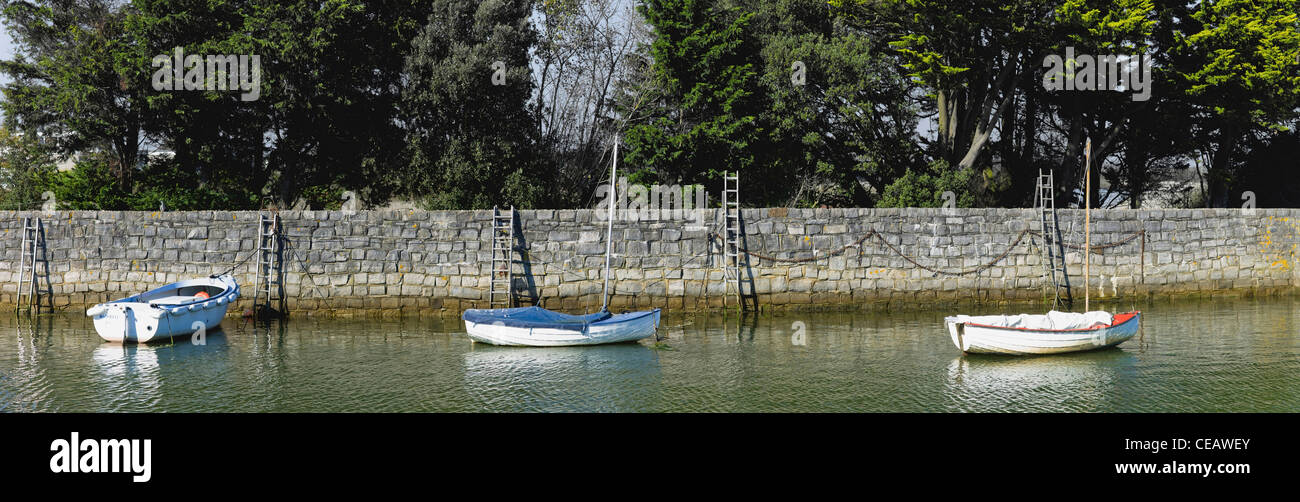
x=873, y=233
x=1118, y=243
x=979, y=268
x=816, y=256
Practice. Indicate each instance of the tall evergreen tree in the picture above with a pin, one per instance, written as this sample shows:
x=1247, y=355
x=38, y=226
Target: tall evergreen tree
x=704, y=120
x=469, y=132
x=78, y=78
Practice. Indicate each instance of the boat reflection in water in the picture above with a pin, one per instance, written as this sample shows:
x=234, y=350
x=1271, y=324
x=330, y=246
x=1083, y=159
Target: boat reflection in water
x=136, y=374
x=1086, y=381
x=602, y=378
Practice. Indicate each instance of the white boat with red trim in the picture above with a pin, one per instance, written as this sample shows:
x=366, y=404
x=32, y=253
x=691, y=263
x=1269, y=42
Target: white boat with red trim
x=1052, y=333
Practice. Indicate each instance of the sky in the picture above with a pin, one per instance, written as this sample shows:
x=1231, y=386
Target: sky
x=6, y=53
x=6, y=43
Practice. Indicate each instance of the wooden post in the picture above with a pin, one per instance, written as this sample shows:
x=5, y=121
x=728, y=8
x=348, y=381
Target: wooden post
x=1087, y=220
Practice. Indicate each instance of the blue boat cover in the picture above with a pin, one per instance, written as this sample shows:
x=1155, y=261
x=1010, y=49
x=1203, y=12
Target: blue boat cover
x=532, y=317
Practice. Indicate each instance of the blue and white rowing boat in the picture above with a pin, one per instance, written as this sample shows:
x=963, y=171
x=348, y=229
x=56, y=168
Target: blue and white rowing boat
x=179, y=308
x=538, y=327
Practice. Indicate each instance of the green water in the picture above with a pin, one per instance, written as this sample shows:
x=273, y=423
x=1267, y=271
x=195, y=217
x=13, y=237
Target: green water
x=1191, y=356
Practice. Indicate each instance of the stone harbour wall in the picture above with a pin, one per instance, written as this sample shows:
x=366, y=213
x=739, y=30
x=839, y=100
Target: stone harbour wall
x=438, y=262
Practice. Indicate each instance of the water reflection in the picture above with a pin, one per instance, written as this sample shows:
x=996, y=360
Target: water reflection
x=132, y=376
x=604, y=378
x=1084, y=381
x=264, y=340
x=27, y=387
x=1200, y=356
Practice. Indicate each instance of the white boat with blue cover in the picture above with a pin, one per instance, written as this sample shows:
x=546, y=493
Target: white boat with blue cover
x=179, y=308
x=538, y=327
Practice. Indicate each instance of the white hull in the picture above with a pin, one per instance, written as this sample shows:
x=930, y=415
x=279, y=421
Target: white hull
x=596, y=333
x=978, y=339
x=165, y=312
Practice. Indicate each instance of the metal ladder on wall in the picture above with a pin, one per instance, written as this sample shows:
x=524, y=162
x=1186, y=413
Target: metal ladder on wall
x=1053, y=250
x=269, y=291
x=733, y=260
x=28, y=280
x=501, y=284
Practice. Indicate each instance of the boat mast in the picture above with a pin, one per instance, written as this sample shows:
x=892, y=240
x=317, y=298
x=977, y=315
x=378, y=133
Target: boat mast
x=1087, y=219
x=609, y=234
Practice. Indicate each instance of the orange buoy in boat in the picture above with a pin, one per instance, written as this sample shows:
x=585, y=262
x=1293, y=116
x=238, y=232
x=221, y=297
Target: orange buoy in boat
x=201, y=294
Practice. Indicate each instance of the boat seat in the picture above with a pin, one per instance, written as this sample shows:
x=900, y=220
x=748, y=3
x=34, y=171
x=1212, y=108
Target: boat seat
x=173, y=300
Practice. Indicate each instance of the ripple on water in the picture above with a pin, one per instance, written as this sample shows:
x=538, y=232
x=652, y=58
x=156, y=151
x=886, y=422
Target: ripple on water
x=1190, y=356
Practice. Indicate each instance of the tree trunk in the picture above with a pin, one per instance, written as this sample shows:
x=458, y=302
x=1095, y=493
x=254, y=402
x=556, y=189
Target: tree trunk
x=1218, y=173
x=1137, y=158
x=1094, y=184
x=990, y=111
x=949, y=105
x=128, y=151
x=1068, y=173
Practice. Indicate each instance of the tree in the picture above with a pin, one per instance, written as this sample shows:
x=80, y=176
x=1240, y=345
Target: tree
x=1238, y=62
x=582, y=56
x=1122, y=28
x=217, y=139
x=77, y=79
x=840, y=119
x=927, y=187
x=969, y=55
x=25, y=168
x=334, y=81
x=470, y=135
x=809, y=111
x=703, y=120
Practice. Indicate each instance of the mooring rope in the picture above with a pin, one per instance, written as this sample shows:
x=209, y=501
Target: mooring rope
x=302, y=265
x=232, y=268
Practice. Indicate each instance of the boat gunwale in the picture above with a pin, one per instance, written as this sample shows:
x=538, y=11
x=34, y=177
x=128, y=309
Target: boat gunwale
x=227, y=289
x=574, y=326
x=1136, y=315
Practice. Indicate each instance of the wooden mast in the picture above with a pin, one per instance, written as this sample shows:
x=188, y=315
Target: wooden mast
x=1087, y=220
x=609, y=234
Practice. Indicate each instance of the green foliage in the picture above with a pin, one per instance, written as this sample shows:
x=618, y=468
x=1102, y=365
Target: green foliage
x=803, y=108
x=1237, y=64
x=851, y=120
x=704, y=70
x=93, y=184
x=925, y=187
x=79, y=78
x=90, y=185
x=1247, y=59
x=26, y=166
x=166, y=182
x=323, y=197
x=471, y=142
x=398, y=99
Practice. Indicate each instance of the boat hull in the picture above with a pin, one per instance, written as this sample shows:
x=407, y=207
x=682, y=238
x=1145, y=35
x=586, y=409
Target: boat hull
x=984, y=339
x=155, y=316
x=612, y=330
x=141, y=324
